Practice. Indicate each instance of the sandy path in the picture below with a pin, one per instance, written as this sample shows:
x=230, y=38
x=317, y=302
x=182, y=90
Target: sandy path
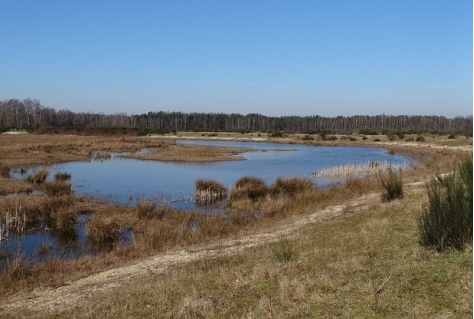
x=54, y=299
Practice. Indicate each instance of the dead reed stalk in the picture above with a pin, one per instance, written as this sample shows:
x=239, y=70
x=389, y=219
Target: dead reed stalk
x=364, y=169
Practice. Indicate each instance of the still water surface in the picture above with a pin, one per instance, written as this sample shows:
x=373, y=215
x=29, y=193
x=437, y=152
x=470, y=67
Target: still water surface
x=127, y=180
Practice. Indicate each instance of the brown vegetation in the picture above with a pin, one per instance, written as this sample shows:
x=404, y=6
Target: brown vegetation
x=254, y=207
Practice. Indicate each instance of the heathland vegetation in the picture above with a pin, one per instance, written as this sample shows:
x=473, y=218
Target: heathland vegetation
x=285, y=249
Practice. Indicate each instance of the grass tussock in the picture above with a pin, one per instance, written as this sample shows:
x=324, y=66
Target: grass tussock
x=151, y=210
x=103, y=232
x=39, y=176
x=392, y=184
x=446, y=221
x=247, y=187
x=57, y=188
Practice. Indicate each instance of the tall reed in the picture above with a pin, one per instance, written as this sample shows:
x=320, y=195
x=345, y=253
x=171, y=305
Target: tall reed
x=363, y=169
x=208, y=191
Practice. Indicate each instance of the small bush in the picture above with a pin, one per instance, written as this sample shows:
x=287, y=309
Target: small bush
x=420, y=139
x=392, y=185
x=308, y=137
x=446, y=220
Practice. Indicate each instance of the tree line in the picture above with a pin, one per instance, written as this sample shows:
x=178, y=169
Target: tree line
x=30, y=115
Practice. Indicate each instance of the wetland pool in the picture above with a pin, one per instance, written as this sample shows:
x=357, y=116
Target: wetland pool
x=124, y=181
x=127, y=181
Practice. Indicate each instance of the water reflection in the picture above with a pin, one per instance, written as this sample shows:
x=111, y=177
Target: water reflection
x=125, y=181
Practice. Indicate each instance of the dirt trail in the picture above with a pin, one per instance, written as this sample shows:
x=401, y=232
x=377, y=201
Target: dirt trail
x=54, y=299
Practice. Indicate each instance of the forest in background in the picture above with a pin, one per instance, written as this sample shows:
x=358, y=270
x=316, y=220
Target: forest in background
x=30, y=115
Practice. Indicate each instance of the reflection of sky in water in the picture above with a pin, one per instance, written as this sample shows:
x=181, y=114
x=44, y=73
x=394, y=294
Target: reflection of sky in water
x=127, y=180
x=121, y=179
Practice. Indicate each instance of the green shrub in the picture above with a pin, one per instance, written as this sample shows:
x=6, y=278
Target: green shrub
x=308, y=137
x=446, y=220
x=392, y=185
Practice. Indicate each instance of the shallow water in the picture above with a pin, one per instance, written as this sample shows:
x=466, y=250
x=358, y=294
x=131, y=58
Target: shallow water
x=128, y=180
x=125, y=181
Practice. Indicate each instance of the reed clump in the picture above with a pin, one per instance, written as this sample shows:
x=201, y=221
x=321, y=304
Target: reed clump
x=208, y=191
x=103, y=232
x=101, y=155
x=17, y=214
x=248, y=187
x=57, y=188
x=39, y=176
x=446, y=220
x=363, y=169
x=62, y=176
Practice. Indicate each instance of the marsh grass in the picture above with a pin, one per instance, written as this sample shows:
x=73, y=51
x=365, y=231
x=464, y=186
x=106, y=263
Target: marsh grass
x=248, y=187
x=4, y=170
x=57, y=188
x=332, y=275
x=62, y=176
x=291, y=186
x=39, y=176
x=208, y=191
x=103, y=232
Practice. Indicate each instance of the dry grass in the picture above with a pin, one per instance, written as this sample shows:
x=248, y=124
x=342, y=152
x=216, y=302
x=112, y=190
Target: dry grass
x=103, y=232
x=334, y=269
x=191, y=153
x=358, y=266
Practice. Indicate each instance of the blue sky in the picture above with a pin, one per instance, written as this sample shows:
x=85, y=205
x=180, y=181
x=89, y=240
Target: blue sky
x=318, y=57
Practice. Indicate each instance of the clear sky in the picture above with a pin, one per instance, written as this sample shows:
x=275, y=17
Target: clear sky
x=315, y=57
